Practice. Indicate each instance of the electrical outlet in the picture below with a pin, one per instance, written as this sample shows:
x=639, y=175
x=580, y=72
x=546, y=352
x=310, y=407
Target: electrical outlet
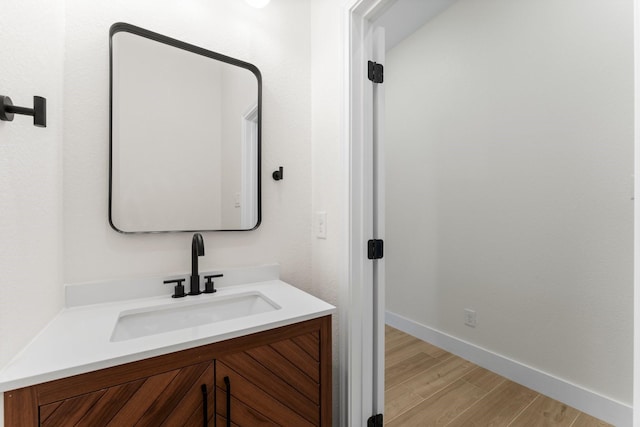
x=321, y=225
x=470, y=317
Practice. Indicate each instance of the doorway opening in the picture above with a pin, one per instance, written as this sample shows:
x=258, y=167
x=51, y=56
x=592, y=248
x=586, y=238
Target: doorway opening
x=502, y=300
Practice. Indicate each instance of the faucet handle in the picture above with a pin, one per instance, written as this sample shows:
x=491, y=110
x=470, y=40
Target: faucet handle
x=178, y=290
x=208, y=287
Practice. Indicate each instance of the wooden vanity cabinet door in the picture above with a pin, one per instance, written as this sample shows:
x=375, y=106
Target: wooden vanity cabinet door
x=274, y=384
x=173, y=398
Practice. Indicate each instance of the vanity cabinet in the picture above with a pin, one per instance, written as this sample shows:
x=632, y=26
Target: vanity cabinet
x=280, y=376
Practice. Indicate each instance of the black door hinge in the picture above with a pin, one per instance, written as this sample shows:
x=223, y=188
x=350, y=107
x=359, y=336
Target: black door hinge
x=375, y=249
x=375, y=421
x=376, y=72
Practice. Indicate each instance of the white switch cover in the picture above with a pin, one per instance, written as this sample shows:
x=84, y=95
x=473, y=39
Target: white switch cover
x=321, y=225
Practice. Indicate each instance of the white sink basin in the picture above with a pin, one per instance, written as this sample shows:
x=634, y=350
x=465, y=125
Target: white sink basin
x=188, y=314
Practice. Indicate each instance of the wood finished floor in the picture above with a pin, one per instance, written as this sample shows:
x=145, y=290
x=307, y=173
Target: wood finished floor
x=427, y=386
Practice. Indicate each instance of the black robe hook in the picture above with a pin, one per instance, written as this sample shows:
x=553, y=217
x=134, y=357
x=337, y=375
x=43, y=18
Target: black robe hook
x=39, y=110
x=279, y=174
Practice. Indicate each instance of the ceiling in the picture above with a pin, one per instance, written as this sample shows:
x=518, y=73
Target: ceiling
x=404, y=17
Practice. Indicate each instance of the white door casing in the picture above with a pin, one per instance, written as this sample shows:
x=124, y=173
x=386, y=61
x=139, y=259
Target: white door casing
x=249, y=173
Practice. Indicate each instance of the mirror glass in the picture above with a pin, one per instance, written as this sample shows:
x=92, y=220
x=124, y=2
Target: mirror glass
x=185, y=136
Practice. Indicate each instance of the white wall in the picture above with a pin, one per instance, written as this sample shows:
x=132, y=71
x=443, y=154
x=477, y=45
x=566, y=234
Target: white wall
x=31, y=33
x=330, y=180
x=509, y=183
x=277, y=40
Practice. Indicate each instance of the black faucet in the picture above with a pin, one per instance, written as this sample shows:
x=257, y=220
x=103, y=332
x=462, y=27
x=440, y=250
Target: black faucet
x=197, y=249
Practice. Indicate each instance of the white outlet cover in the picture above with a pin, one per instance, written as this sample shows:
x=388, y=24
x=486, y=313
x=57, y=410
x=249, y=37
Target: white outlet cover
x=470, y=318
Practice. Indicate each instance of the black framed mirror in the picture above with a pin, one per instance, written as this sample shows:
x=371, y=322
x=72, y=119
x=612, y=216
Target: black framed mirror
x=185, y=136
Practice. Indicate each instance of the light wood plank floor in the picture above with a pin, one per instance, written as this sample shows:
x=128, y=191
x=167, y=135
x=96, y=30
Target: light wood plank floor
x=426, y=386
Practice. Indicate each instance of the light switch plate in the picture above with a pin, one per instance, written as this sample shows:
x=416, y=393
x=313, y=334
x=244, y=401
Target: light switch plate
x=321, y=225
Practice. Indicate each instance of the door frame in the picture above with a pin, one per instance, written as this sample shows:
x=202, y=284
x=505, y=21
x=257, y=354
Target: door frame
x=249, y=171
x=636, y=214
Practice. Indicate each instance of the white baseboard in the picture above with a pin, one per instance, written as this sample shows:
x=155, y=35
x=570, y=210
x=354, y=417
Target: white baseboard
x=606, y=409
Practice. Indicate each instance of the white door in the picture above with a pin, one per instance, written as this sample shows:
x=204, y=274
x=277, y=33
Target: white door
x=363, y=316
x=373, y=220
x=378, y=202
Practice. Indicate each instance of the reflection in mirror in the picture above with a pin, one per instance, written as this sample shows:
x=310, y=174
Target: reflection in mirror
x=185, y=136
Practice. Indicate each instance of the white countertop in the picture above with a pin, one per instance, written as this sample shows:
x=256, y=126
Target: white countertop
x=78, y=339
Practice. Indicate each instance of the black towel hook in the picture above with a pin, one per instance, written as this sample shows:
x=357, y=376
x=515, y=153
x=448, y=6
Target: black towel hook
x=279, y=174
x=39, y=110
